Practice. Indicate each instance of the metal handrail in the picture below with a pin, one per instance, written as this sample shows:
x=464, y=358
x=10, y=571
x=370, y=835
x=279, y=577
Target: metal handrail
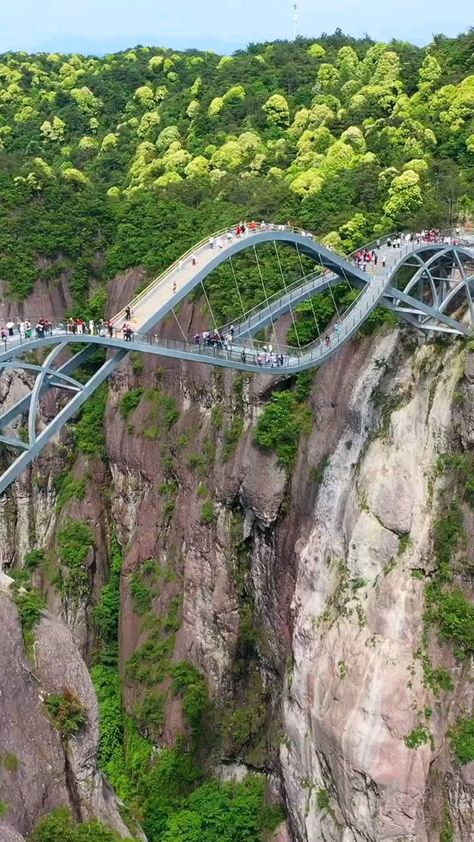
x=268, y=226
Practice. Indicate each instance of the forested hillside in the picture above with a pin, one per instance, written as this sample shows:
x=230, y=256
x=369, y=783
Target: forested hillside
x=109, y=163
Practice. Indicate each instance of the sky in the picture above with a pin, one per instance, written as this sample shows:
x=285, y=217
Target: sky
x=101, y=26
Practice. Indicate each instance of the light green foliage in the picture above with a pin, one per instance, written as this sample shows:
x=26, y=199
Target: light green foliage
x=404, y=196
x=277, y=111
x=316, y=51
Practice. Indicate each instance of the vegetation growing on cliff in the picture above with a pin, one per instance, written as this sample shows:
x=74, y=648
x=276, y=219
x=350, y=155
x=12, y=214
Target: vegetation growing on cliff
x=283, y=420
x=170, y=793
x=59, y=826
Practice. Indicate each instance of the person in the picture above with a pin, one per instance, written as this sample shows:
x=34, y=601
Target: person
x=384, y=261
x=128, y=334
x=91, y=327
x=211, y=242
x=327, y=340
x=128, y=314
x=110, y=328
x=243, y=356
x=10, y=327
x=193, y=259
x=4, y=336
x=174, y=287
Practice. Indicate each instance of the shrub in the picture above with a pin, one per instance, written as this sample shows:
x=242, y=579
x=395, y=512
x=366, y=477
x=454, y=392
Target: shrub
x=322, y=799
x=33, y=559
x=208, y=514
x=417, y=737
x=30, y=604
x=454, y=615
x=69, y=488
x=74, y=543
x=448, y=533
x=107, y=610
x=280, y=426
x=59, y=826
x=191, y=686
x=90, y=430
x=231, y=437
x=462, y=737
x=142, y=595
x=129, y=402
x=67, y=711
x=137, y=362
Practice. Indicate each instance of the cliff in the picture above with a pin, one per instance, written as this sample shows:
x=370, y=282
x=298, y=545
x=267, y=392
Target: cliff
x=40, y=769
x=302, y=597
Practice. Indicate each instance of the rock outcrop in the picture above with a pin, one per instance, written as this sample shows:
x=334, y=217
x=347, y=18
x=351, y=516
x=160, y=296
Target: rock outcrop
x=39, y=770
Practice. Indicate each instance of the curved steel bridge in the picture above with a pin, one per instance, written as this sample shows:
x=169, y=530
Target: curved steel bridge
x=427, y=284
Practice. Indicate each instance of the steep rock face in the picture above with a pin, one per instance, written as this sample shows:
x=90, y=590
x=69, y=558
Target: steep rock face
x=42, y=773
x=356, y=689
x=338, y=612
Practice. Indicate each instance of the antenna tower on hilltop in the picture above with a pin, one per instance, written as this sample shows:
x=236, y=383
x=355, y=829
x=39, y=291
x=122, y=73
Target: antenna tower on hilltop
x=294, y=6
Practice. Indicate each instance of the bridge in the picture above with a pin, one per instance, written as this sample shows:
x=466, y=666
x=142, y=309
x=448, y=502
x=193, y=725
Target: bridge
x=428, y=284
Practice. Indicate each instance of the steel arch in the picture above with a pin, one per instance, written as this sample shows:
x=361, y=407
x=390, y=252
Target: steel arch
x=161, y=297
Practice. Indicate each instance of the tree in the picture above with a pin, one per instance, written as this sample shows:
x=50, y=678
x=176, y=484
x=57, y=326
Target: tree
x=277, y=111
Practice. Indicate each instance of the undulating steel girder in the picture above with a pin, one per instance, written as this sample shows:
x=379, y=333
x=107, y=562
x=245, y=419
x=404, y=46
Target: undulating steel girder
x=430, y=298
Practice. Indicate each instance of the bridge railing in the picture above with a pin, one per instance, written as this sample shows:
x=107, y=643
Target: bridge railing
x=251, y=229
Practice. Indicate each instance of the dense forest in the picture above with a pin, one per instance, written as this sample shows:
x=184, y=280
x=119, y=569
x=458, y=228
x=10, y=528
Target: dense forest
x=127, y=160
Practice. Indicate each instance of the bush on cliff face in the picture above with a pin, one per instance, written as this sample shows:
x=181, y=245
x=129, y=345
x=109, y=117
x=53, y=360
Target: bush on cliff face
x=30, y=604
x=67, y=712
x=462, y=737
x=59, y=826
x=280, y=426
